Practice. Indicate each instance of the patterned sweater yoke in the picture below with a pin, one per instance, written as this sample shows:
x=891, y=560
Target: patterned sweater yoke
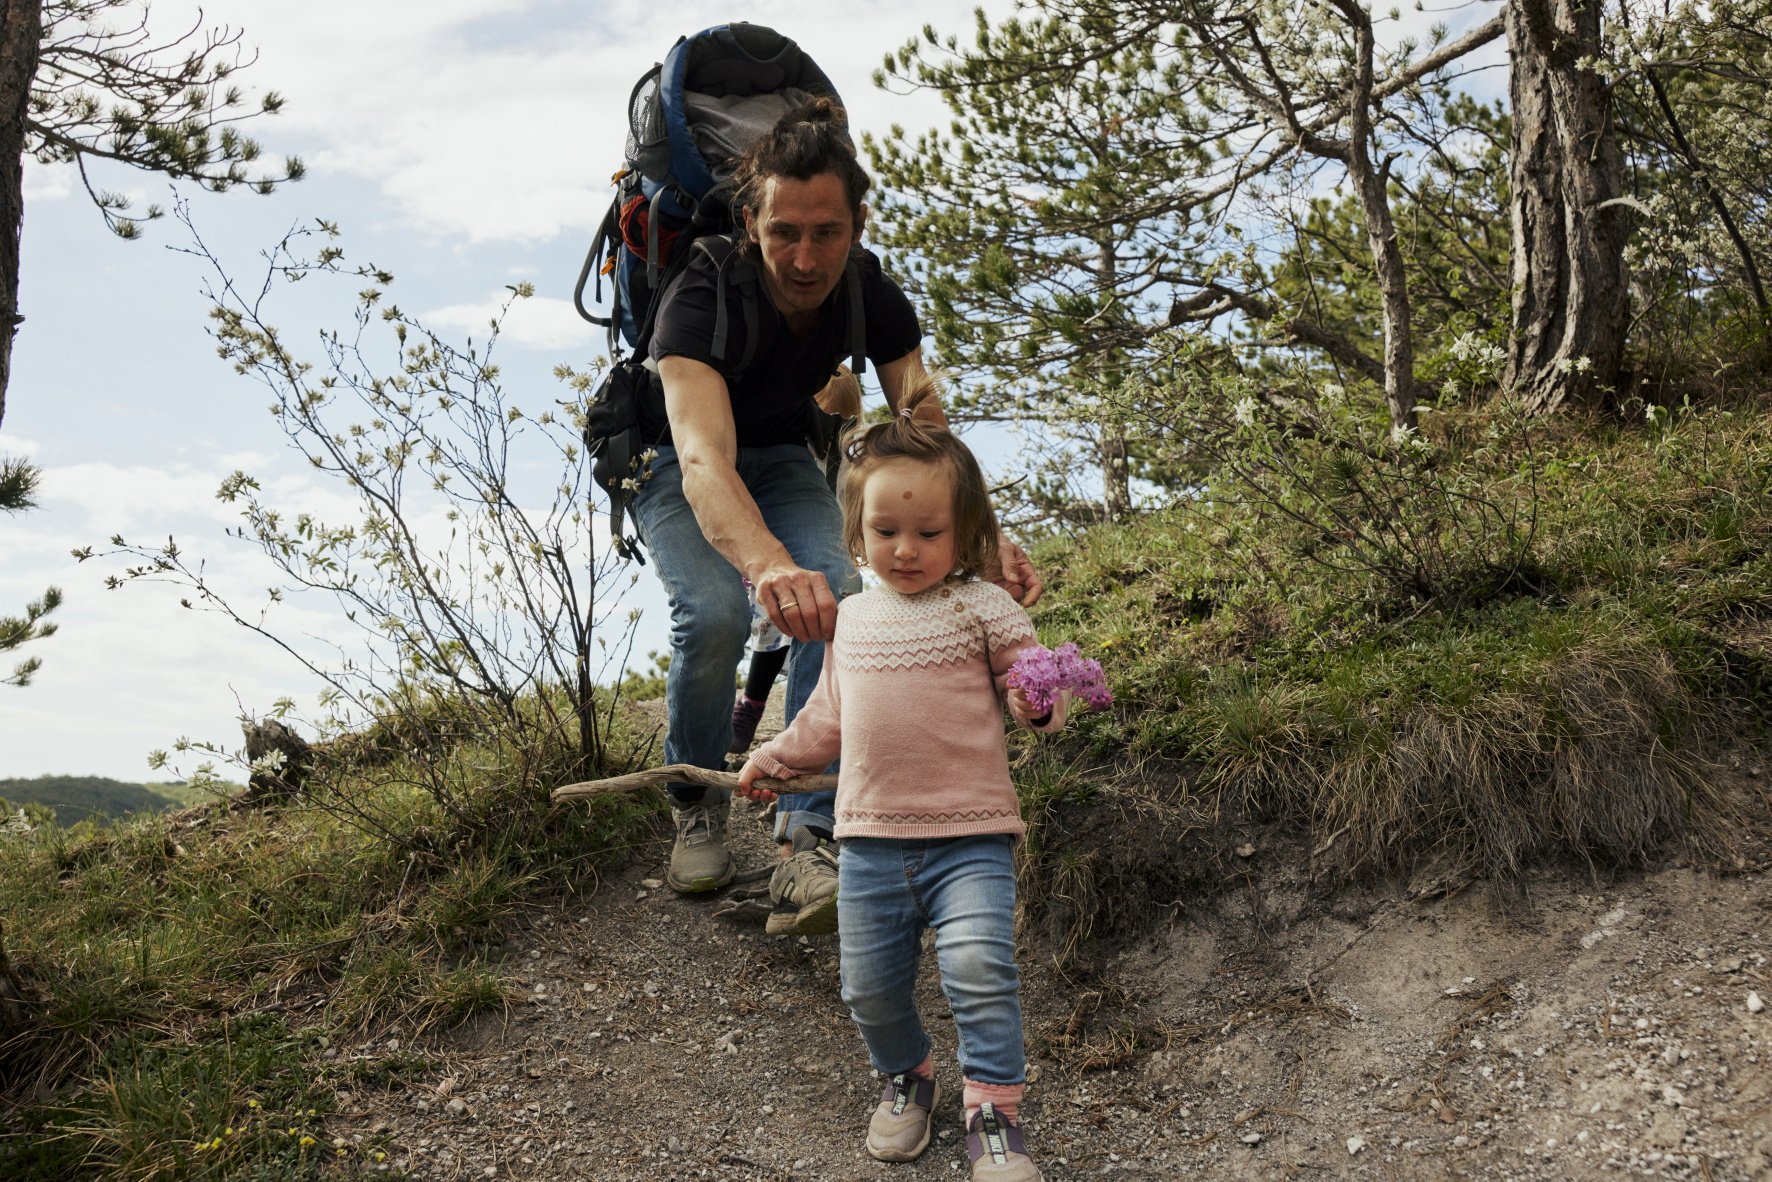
x=911, y=698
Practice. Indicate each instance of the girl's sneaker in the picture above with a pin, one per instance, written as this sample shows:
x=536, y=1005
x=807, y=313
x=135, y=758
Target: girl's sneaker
x=996, y=1150
x=899, y=1130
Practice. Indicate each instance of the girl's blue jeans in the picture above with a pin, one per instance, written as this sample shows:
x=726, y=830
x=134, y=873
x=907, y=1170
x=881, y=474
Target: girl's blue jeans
x=711, y=613
x=889, y=890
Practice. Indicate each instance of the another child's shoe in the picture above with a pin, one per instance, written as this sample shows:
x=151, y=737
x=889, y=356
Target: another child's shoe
x=996, y=1150
x=747, y=712
x=803, y=889
x=899, y=1130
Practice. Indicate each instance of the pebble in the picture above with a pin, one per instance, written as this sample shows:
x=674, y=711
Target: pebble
x=652, y=884
x=1355, y=1144
x=1754, y=1004
x=457, y=1107
x=1252, y=1138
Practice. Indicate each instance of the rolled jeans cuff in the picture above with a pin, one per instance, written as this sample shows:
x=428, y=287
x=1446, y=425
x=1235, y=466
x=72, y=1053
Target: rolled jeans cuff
x=794, y=809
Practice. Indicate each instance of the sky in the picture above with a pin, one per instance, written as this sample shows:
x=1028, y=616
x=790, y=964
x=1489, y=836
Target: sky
x=462, y=145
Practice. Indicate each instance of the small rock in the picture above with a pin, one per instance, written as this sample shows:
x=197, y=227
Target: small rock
x=1252, y=1138
x=1754, y=1004
x=457, y=1107
x=393, y=1045
x=652, y=884
x=1355, y=1144
x=1246, y=851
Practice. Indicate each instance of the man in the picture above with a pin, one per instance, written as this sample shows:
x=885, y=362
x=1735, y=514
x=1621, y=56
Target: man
x=735, y=491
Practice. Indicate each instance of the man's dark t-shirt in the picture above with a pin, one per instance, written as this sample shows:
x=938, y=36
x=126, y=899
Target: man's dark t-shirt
x=770, y=398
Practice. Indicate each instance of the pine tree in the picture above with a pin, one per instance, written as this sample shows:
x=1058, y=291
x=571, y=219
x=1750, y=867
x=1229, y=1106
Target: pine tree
x=74, y=89
x=18, y=483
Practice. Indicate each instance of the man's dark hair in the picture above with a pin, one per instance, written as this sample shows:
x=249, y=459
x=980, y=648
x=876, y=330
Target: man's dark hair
x=809, y=141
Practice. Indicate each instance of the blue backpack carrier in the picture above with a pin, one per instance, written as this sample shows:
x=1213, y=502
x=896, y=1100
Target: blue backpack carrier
x=689, y=120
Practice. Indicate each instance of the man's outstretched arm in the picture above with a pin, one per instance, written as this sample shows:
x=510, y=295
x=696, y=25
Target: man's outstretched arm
x=798, y=601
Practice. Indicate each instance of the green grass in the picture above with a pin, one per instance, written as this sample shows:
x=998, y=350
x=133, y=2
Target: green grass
x=374, y=891
x=1565, y=699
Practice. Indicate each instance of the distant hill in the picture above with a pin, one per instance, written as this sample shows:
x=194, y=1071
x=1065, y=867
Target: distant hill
x=95, y=798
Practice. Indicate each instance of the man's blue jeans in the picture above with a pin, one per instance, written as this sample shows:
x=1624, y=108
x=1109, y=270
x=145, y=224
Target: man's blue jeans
x=888, y=891
x=711, y=614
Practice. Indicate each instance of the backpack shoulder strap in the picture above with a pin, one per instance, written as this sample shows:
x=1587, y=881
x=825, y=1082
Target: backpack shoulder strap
x=858, y=320
x=735, y=273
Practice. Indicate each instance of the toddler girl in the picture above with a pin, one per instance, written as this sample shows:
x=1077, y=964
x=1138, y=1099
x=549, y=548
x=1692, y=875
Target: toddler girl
x=911, y=697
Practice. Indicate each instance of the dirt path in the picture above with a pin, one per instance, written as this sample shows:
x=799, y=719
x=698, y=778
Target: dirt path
x=1601, y=1032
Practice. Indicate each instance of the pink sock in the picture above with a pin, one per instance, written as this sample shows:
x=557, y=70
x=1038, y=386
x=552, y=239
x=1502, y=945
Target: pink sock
x=925, y=1069
x=1005, y=1098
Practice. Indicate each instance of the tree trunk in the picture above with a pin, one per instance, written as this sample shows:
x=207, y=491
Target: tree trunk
x=21, y=32
x=1570, y=301
x=1116, y=478
x=1372, y=184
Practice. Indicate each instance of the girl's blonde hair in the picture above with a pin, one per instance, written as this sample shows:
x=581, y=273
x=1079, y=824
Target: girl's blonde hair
x=903, y=438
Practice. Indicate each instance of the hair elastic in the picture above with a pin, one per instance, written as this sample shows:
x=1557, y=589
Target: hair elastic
x=906, y=412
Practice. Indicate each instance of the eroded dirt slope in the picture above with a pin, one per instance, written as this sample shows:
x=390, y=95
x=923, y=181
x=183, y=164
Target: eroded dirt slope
x=1580, y=1032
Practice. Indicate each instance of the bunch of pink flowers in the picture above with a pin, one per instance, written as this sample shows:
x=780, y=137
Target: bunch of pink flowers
x=1043, y=673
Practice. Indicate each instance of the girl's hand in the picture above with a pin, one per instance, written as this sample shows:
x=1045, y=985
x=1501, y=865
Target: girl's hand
x=747, y=784
x=1023, y=710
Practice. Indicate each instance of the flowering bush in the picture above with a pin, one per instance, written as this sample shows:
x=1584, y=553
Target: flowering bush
x=1043, y=673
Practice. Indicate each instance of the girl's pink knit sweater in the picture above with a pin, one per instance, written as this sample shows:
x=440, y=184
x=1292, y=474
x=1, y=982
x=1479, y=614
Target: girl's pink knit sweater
x=912, y=698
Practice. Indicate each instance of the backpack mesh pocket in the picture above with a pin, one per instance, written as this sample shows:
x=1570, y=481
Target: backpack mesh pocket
x=649, y=151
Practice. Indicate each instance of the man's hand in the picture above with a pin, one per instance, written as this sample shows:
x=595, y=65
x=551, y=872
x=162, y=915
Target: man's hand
x=1016, y=574
x=798, y=601
x=747, y=784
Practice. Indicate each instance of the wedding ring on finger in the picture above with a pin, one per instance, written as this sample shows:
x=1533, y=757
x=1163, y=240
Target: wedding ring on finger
x=785, y=604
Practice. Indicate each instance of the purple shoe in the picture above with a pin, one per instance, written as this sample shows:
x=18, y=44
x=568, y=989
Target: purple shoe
x=746, y=714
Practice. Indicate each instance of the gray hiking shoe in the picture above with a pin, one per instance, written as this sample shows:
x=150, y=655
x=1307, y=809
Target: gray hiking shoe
x=899, y=1130
x=804, y=888
x=699, y=861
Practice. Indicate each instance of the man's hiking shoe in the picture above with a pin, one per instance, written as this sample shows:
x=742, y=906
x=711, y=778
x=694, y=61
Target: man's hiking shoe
x=899, y=1130
x=804, y=888
x=996, y=1150
x=699, y=861
x=747, y=712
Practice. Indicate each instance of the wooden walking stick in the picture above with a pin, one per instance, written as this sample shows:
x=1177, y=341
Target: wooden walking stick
x=680, y=773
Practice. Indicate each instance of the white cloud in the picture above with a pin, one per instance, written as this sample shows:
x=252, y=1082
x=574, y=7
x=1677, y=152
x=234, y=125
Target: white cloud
x=487, y=120
x=19, y=447
x=48, y=182
x=539, y=322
